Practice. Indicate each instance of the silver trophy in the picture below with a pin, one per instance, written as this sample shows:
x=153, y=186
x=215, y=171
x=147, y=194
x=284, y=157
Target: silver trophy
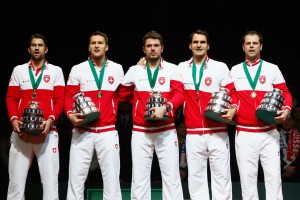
x=86, y=106
x=270, y=104
x=32, y=119
x=156, y=100
x=217, y=103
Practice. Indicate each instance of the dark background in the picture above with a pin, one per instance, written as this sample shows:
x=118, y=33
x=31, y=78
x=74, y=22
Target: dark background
x=67, y=27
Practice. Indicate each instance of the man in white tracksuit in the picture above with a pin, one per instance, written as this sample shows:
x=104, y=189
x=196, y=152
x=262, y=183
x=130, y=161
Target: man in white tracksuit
x=98, y=79
x=41, y=82
x=206, y=139
x=256, y=140
x=157, y=132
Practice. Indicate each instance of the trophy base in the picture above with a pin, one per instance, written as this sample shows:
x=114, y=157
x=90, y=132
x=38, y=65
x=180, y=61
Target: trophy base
x=148, y=118
x=266, y=116
x=215, y=116
x=32, y=131
x=89, y=118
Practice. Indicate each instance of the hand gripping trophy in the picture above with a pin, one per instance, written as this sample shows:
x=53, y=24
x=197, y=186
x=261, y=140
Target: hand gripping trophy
x=156, y=100
x=270, y=104
x=32, y=119
x=217, y=103
x=86, y=106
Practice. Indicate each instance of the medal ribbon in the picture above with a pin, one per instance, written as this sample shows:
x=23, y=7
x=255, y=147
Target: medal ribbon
x=197, y=85
x=251, y=82
x=152, y=80
x=100, y=79
x=35, y=84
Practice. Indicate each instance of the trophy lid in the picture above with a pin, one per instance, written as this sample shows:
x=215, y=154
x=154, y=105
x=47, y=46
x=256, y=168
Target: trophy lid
x=33, y=104
x=79, y=94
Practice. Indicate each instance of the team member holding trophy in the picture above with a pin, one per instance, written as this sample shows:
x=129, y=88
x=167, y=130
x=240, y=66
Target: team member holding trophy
x=251, y=84
x=157, y=92
x=207, y=140
x=34, y=100
x=91, y=105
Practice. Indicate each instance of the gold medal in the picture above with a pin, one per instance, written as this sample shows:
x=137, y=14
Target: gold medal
x=33, y=95
x=253, y=94
x=99, y=94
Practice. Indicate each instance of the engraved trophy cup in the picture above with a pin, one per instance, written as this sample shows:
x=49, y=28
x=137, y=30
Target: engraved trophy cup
x=217, y=103
x=32, y=119
x=270, y=104
x=156, y=100
x=86, y=106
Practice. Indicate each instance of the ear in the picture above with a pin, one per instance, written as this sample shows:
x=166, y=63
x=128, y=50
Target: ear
x=46, y=50
x=106, y=48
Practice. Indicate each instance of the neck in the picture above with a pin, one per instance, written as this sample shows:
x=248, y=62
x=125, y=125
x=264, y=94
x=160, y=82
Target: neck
x=99, y=61
x=199, y=60
x=153, y=65
x=36, y=64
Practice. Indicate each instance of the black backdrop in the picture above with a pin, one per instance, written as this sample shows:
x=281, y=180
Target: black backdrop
x=67, y=28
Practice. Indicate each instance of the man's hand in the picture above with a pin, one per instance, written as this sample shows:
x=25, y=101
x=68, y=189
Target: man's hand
x=282, y=115
x=228, y=114
x=142, y=61
x=16, y=125
x=159, y=112
x=47, y=126
x=75, y=118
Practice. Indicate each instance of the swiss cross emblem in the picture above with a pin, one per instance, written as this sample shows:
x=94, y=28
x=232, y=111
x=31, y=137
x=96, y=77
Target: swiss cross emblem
x=262, y=79
x=207, y=81
x=54, y=150
x=111, y=79
x=116, y=146
x=47, y=78
x=161, y=80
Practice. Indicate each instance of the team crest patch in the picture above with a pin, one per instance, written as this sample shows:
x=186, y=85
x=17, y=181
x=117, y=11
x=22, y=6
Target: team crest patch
x=116, y=146
x=161, y=80
x=208, y=81
x=54, y=150
x=46, y=78
x=175, y=143
x=111, y=79
x=262, y=79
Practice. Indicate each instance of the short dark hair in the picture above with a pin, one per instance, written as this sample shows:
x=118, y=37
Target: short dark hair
x=253, y=32
x=153, y=35
x=99, y=33
x=39, y=36
x=200, y=32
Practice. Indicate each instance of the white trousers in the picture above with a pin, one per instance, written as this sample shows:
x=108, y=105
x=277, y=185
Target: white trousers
x=215, y=149
x=251, y=147
x=20, y=158
x=165, y=145
x=107, y=148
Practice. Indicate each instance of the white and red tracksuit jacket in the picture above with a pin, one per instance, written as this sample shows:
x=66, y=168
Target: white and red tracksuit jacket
x=50, y=92
x=214, y=75
x=240, y=90
x=136, y=83
x=81, y=79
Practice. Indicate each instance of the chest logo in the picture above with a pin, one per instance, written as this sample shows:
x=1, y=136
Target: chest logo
x=161, y=80
x=46, y=78
x=208, y=81
x=262, y=79
x=111, y=79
